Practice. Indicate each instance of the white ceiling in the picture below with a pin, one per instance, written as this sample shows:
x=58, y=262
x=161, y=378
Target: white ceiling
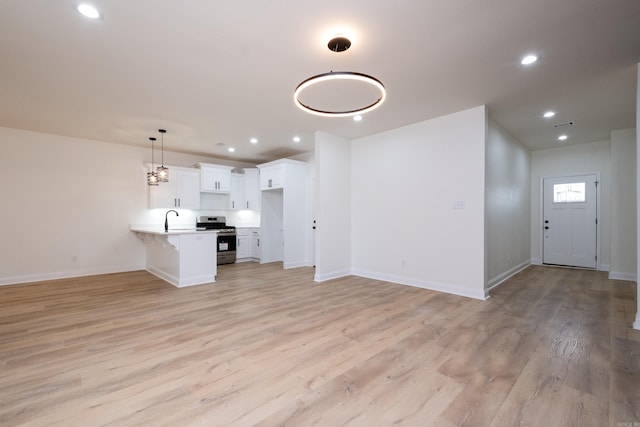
x=222, y=72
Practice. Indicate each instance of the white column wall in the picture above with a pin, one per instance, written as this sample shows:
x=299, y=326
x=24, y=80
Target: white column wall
x=508, y=200
x=623, y=205
x=405, y=186
x=332, y=206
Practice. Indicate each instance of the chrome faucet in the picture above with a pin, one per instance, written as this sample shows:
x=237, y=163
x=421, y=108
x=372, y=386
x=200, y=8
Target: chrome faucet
x=166, y=221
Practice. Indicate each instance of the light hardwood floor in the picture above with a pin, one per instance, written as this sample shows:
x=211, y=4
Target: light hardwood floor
x=269, y=347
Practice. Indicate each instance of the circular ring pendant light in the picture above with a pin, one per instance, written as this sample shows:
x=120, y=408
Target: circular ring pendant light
x=340, y=44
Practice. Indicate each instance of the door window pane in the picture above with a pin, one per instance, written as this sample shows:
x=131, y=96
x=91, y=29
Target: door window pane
x=569, y=193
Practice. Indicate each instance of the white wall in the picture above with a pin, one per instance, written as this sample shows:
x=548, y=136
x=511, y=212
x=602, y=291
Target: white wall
x=404, y=184
x=332, y=206
x=508, y=199
x=575, y=159
x=636, y=324
x=623, y=204
x=67, y=197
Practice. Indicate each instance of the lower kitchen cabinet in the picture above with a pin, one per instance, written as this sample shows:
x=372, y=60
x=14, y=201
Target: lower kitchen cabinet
x=255, y=244
x=243, y=244
x=247, y=244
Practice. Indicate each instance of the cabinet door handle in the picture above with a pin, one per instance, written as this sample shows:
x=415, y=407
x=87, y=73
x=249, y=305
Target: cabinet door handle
x=247, y=205
x=233, y=204
x=175, y=203
x=258, y=242
x=178, y=202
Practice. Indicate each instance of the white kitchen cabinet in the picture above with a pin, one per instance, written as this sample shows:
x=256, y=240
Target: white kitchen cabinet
x=252, y=188
x=215, y=178
x=243, y=244
x=271, y=177
x=255, y=244
x=245, y=190
x=237, y=199
x=182, y=190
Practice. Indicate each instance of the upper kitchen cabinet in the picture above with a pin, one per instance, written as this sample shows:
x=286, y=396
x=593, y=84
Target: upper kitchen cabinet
x=245, y=190
x=271, y=177
x=182, y=190
x=252, y=188
x=215, y=178
x=237, y=199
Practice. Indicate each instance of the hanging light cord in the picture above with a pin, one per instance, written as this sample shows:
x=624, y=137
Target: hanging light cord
x=162, y=132
x=152, y=139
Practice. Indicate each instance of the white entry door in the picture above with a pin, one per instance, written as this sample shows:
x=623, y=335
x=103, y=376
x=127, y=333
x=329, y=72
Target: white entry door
x=570, y=221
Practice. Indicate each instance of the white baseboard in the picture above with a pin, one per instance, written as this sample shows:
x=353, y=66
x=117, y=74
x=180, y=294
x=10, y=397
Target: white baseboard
x=332, y=275
x=604, y=267
x=498, y=280
x=440, y=287
x=616, y=275
x=30, y=278
x=636, y=324
x=295, y=264
x=536, y=261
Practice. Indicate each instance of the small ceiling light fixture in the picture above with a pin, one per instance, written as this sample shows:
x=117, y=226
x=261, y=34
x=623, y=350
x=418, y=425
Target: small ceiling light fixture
x=562, y=137
x=152, y=177
x=357, y=118
x=163, y=172
x=529, y=59
x=296, y=139
x=231, y=149
x=549, y=114
x=88, y=10
x=254, y=140
x=340, y=44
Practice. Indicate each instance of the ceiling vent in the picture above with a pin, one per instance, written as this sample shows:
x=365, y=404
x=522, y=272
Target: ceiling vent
x=560, y=125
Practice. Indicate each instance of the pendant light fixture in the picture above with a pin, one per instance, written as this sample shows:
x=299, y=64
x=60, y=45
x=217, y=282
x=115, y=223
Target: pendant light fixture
x=163, y=172
x=336, y=45
x=152, y=177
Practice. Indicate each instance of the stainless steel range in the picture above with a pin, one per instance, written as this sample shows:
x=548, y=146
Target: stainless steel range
x=226, y=237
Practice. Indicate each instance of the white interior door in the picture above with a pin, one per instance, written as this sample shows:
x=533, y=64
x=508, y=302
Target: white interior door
x=570, y=221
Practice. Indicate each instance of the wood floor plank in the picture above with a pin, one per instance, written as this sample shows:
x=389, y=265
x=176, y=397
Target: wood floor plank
x=270, y=347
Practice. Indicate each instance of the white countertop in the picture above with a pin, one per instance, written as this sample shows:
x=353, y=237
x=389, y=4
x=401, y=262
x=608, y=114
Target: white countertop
x=172, y=231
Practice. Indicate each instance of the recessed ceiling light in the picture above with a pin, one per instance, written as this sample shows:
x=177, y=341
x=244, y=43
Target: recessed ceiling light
x=562, y=137
x=357, y=118
x=529, y=59
x=89, y=11
x=549, y=114
x=231, y=149
x=254, y=140
x=296, y=139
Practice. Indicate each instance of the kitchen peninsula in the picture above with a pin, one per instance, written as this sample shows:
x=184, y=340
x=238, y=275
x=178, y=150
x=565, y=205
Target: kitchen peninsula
x=182, y=257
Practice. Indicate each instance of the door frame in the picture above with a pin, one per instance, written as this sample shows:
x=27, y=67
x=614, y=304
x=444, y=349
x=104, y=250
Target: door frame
x=598, y=214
